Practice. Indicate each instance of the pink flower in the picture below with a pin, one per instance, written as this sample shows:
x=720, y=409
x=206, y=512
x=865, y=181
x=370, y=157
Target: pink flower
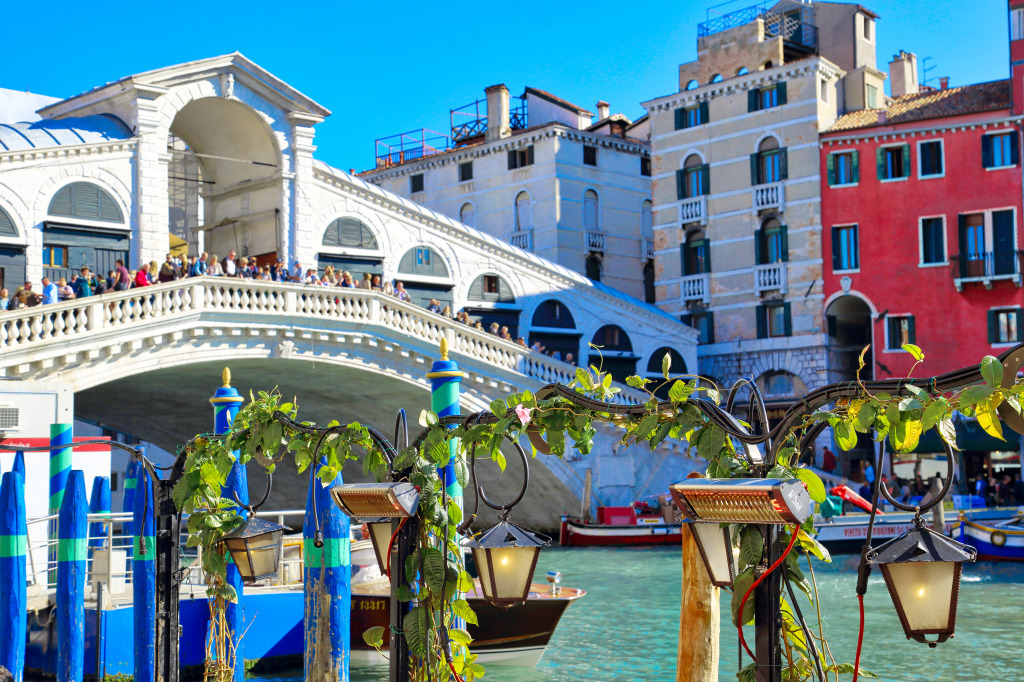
x=523, y=413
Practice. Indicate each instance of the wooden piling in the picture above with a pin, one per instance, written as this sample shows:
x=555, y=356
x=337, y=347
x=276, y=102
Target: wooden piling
x=60, y=468
x=99, y=503
x=699, y=618
x=13, y=549
x=72, y=539
x=131, y=476
x=144, y=578
x=19, y=464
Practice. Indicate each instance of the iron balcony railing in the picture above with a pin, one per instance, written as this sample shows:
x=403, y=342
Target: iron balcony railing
x=398, y=149
x=792, y=20
x=470, y=120
x=986, y=267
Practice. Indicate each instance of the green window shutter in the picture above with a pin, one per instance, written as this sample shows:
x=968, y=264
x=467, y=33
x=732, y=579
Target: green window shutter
x=109, y=210
x=783, y=164
x=705, y=179
x=686, y=319
x=880, y=158
x=761, y=312
x=529, y=155
x=911, y=330
x=906, y=160
x=836, y=251
x=476, y=289
x=754, y=180
x=7, y=228
x=986, y=151
x=784, y=243
x=684, y=258
x=707, y=255
x=830, y=164
x=680, y=184
x=758, y=247
x=505, y=294
x=680, y=118
x=408, y=262
x=788, y=319
x=85, y=200
x=61, y=203
x=855, y=165
x=752, y=96
x=711, y=326
x=1020, y=320
x=511, y=160
x=704, y=117
x=780, y=91
x=1014, y=150
x=993, y=326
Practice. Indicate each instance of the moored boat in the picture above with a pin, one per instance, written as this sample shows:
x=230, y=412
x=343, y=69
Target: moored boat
x=616, y=526
x=995, y=541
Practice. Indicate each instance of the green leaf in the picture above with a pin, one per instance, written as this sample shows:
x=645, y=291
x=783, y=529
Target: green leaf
x=814, y=484
x=989, y=420
x=374, y=637
x=935, y=411
x=710, y=442
x=679, y=391
x=748, y=673
x=751, y=546
x=460, y=636
x=414, y=626
x=637, y=382
x=846, y=438
x=813, y=546
x=948, y=432
x=404, y=594
x=465, y=581
x=712, y=395
x=461, y=608
x=740, y=585
x=992, y=371
x=847, y=669
x=499, y=408
x=913, y=350
x=666, y=365
x=461, y=472
x=647, y=425
x=973, y=395
x=866, y=416
x=906, y=435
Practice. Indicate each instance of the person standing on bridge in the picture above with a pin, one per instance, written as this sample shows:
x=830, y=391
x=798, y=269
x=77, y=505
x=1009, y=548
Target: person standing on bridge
x=50, y=291
x=167, y=270
x=230, y=269
x=5, y=300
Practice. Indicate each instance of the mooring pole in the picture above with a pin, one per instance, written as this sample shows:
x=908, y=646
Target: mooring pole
x=144, y=579
x=19, y=464
x=13, y=549
x=699, y=618
x=167, y=559
x=60, y=467
x=72, y=553
x=99, y=503
x=399, y=650
x=131, y=475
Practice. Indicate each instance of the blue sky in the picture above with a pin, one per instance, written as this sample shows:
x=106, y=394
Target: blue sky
x=393, y=67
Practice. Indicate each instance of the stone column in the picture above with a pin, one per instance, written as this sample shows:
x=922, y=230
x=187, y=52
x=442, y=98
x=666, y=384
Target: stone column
x=149, y=215
x=300, y=236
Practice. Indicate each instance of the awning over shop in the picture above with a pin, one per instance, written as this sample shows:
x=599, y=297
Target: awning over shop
x=970, y=436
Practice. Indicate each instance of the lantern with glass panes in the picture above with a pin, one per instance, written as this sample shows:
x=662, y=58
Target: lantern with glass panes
x=255, y=546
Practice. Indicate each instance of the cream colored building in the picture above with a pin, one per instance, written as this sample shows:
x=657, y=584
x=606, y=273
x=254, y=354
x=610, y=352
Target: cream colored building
x=536, y=172
x=736, y=185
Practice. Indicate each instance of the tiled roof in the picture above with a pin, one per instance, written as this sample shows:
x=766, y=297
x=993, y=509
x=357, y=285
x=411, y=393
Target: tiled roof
x=969, y=99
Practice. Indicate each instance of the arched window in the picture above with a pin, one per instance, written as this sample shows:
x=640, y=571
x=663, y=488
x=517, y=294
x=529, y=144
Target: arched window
x=590, y=223
x=695, y=177
x=552, y=313
x=742, y=71
x=593, y=267
x=766, y=65
x=771, y=243
x=524, y=213
x=422, y=260
x=676, y=367
x=717, y=78
x=647, y=219
x=693, y=84
x=491, y=288
x=649, y=293
x=85, y=201
x=696, y=254
x=781, y=384
x=616, y=352
x=612, y=338
x=769, y=164
x=562, y=342
x=467, y=216
x=7, y=228
x=349, y=233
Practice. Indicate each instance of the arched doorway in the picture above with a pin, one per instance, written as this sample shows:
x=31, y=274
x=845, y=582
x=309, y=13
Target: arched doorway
x=616, y=352
x=224, y=187
x=849, y=331
x=554, y=328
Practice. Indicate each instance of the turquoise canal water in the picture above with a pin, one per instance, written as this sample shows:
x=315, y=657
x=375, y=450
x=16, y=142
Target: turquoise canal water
x=627, y=625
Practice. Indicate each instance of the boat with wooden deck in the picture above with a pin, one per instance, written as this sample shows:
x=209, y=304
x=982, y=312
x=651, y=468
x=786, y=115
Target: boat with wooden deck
x=995, y=541
x=617, y=526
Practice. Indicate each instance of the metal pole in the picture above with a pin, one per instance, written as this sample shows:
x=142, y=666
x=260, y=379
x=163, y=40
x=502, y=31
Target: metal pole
x=767, y=615
x=399, y=649
x=168, y=561
x=144, y=578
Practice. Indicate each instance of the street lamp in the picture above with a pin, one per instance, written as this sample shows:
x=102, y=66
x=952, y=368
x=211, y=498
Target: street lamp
x=255, y=547
x=380, y=537
x=922, y=571
x=505, y=557
x=715, y=544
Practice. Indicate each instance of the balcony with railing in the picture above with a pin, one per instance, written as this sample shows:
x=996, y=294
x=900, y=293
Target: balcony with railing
x=470, y=120
x=522, y=240
x=793, y=20
x=395, y=150
x=770, y=277
x=694, y=210
x=769, y=196
x=986, y=268
x=695, y=288
x=595, y=241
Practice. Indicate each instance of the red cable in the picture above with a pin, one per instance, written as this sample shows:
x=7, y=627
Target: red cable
x=792, y=540
x=392, y=544
x=860, y=638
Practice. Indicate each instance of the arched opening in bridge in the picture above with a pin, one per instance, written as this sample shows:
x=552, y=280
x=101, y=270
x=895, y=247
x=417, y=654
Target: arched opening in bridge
x=658, y=384
x=849, y=331
x=554, y=328
x=616, y=352
x=349, y=245
x=491, y=301
x=85, y=227
x=225, y=187
x=425, y=275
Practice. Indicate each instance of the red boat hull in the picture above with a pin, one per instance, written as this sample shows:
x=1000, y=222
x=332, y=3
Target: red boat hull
x=576, y=533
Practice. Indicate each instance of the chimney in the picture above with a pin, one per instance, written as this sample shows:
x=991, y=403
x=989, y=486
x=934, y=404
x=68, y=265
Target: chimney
x=497, y=113
x=903, y=74
x=602, y=110
x=944, y=83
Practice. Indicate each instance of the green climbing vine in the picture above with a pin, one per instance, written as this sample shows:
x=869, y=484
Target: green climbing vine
x=556, y=423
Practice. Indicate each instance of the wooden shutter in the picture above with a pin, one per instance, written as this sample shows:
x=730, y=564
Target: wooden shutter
x=1014, y=149
x=1020, y=321
x=705, y=179
x=61, y=202
x=512, y=160
x=761, y=312
x=783, y=164
x=476, y=289
x=784, y=243
x=85, y=201
x=752, y=99
x=780, y=91
x=962, y=242
x=529, y=155
x=986, y=151
x=711, y=326
x=680, y=118
x=830, y=164
x=993, y=326
x=703, y=107
x=707, y=254
x=7, y=228
x=680, y=184
x=906, y=161
x=836, y=251
x=855, y=166
x=788, y=317
x=754, y=179
x=759, y=246
x=684, y=258
x=911, y=330
x=408, y=262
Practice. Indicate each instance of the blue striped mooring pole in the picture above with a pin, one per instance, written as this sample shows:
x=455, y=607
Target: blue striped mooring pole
x=60, y=467
x=99, y=503
x=226, y=402
x=19, y=464
x=13, y=550
x=131, y=479
x=144, y=578
x=72, y=552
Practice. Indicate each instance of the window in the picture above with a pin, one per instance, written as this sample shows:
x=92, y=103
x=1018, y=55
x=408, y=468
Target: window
x=693, y=178
x=465, y=171
x=688, y=117
x=704, y=323
x=524, y=213
x=55, y=256
x=987, y=244
x=843, y=168
x=933, y=240
x=769, y=164
x=899, y=331
x=779, y=383
x=86, y=201
x=771, y=243
x=774, y=320
x=593, y=267
x=467, y=215
x=844, y=248
x=872, y=97
x=645, y=166
x=648, y=276
x=893, y=162
x=416, y=183
x=1004, y=326
x=867, y=28
x=590, y=211
x=766, y=98
x=647, y=219
x=695, y=254
x=349, y=233
x=519, y=158
x=490, y=284
x=589, y=155
x=1016, y=24
x=423, y=257
x=929, y=158
x=999, y=150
